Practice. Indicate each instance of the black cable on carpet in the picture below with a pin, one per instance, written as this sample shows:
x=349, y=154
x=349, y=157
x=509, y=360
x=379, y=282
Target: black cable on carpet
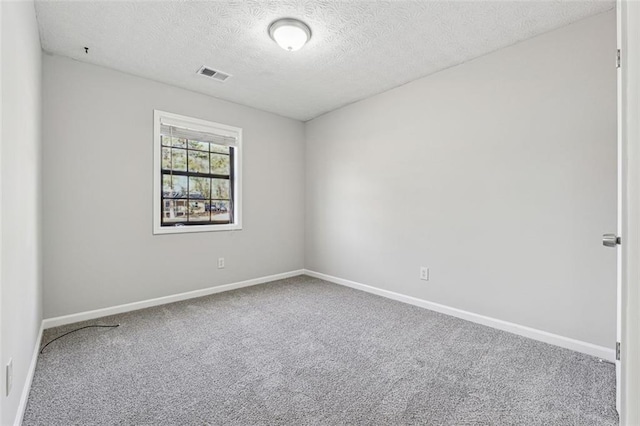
x=78, y=329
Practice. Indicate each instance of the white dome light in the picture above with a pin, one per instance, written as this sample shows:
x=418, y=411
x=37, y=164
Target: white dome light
x=290, y=34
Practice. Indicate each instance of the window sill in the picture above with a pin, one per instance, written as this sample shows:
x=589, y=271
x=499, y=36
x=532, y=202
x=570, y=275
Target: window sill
x=162, y=230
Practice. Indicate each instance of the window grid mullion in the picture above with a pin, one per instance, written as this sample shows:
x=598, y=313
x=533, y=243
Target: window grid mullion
x=188, y=174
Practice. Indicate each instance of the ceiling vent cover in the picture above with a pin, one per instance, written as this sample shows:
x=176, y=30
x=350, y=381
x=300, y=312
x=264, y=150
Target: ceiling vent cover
x=213, y=74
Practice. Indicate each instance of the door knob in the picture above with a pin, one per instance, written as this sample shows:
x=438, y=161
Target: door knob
x=610, y=240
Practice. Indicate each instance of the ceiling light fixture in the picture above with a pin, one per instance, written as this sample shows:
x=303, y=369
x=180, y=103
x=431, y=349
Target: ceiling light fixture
x=290, y=34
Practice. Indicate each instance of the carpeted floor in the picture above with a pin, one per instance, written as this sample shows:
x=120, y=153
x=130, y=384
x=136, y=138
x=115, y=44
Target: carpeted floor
x=303, y=351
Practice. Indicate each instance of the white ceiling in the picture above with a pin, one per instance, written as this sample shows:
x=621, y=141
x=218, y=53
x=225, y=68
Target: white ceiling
x=358, y=48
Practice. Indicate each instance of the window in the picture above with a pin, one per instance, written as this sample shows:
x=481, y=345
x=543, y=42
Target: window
x=197, y=175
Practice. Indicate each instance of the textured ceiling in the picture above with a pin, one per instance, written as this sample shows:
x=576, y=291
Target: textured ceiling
x=358, y=48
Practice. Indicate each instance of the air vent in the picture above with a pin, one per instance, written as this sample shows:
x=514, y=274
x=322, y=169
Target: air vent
x=213, y=74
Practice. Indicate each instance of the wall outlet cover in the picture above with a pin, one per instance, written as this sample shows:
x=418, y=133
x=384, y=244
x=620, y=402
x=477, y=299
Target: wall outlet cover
x=424, y=273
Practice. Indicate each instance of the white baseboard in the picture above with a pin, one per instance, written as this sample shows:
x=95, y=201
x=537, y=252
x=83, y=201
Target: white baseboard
x=22, y=405
x=521, y=330
x=98, y=313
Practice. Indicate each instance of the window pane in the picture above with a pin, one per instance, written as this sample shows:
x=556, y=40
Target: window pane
x=220, y=211
x=174, y=211
x=166, y=186
x=174, y=186
x=166, y=158
x=179, y=143
x=199, y=188
x=198, y=162
x=174, y=142
x=202, y=146
x=220, y=188
x=179, y=160
x=220, y=164
x=219, y=148
x=173, y=159
x=198, y=211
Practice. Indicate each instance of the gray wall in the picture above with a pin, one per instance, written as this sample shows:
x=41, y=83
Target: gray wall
x=99, y=250
x=498, y=174
x=21, y=193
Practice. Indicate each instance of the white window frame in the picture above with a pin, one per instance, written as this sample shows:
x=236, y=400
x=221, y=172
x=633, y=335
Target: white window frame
x=201, y=125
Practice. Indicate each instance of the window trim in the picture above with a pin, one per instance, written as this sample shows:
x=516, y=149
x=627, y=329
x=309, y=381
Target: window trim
x=236, y=178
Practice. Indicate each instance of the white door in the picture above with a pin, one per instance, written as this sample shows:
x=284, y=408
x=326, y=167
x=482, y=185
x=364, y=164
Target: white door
x=619, y=208
x=628, y=388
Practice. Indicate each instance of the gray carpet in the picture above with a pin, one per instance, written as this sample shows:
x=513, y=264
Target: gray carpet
x=303, y=351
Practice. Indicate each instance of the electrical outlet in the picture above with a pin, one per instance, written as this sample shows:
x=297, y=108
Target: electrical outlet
x=424, y=273
x=9, y=376
x=220, y=262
